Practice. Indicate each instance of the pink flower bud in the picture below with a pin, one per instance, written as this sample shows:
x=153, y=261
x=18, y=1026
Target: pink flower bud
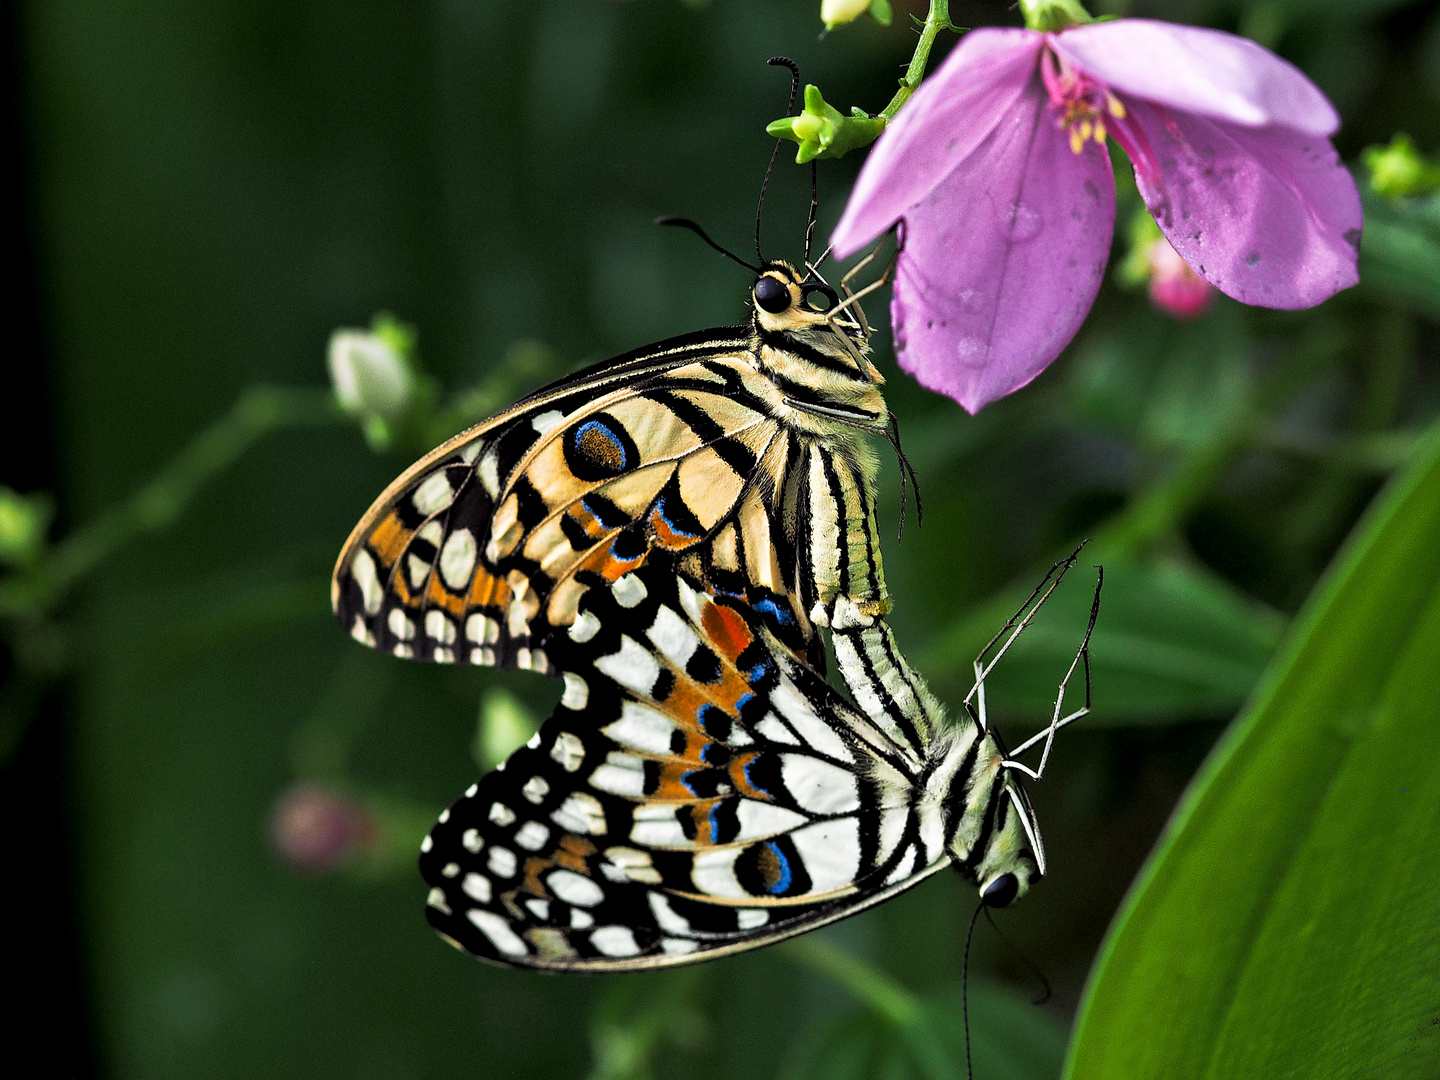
x=317, y=830
x=1175, y=288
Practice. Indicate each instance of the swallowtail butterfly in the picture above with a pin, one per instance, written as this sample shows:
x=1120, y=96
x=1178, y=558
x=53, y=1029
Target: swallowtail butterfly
x=670, y=532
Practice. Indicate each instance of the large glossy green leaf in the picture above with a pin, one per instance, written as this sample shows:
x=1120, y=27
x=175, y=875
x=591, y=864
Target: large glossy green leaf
x=1288, y=925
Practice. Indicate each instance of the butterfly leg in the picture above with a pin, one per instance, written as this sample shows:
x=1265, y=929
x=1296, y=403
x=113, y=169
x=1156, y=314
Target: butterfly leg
x=1016, y=624
x=1057, y=720
x=854, y=298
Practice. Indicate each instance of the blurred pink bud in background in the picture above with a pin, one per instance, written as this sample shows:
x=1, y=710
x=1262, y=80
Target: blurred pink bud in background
x=316, y=829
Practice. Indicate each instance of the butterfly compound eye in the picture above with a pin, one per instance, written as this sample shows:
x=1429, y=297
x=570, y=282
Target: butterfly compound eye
x=772, y=295
x=1001, y=891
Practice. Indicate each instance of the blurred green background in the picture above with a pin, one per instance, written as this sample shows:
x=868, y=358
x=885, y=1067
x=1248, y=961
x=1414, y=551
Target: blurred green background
x=204, y=191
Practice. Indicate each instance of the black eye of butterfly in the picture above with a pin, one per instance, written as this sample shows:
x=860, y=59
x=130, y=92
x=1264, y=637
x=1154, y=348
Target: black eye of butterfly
x=1001, y=891
x=772, y=295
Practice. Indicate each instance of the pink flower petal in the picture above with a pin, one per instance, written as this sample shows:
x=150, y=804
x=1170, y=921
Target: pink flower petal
x=1268, y=216
x=1002, y=261
x=1206, y=72
x=949, y=116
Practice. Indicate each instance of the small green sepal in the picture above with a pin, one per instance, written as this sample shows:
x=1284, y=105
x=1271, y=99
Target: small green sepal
x=1053, y=15
x=823, y=131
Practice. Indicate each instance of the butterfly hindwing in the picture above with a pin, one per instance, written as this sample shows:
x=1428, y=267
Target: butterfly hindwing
x=697, y=791
x=484, y=547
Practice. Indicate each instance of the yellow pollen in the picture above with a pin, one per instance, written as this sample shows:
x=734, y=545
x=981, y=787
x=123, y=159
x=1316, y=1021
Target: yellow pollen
x=1100, y=131
x=1076, y=142
x=1116, y=106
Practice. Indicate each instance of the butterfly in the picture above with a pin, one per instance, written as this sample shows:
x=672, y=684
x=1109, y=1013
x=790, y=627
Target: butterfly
x=669, y=532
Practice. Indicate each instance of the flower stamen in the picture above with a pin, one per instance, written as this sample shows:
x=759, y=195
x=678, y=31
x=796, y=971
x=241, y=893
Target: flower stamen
x=1080, y=101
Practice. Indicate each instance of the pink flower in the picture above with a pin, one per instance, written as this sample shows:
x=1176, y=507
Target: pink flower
x=998, y=170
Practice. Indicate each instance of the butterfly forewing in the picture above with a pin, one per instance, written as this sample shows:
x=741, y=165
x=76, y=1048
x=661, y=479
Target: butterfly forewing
x=696, y=790
x=483, y=548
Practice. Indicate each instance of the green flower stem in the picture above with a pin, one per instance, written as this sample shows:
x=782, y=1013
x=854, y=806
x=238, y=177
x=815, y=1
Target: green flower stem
x=936, y=20
x=259, y=411
x=821, y=130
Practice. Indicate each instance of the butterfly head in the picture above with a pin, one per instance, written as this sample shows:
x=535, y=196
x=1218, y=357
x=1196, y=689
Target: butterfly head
x=786, y=300
x=1013, y=857
x=816, y=351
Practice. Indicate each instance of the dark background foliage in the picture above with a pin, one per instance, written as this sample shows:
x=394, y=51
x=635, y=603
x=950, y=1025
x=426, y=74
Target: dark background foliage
x=202, y=192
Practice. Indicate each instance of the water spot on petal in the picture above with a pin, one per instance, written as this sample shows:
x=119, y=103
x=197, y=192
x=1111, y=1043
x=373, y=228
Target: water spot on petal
x=1252, y=260
x=1025, y=223
x=971, y=352
x=971, y=300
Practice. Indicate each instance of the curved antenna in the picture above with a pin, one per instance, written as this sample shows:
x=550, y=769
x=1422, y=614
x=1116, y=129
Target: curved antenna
x=775, y=61
x=814, y=208
x=892, y=436
x=686, y=223
x=1046, y=992
x=965, y=989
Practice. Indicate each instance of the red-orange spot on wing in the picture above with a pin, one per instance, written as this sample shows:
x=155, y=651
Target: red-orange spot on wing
x=726, y=630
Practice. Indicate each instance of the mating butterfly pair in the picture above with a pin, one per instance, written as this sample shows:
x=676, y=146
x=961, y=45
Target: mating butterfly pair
x=670, y=532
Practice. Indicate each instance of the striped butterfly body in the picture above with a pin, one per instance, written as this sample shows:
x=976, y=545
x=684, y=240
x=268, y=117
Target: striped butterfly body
x=670, y=532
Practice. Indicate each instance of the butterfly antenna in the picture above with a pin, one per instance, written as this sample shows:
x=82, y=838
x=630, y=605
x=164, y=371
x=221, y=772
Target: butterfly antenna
x=814, y=207
x=1034, y=969
x=892, y=436
x=965, y=989
x=686, y=223
x=775, y=61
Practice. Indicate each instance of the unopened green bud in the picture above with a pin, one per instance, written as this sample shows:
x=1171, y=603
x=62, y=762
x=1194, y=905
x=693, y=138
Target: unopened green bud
x=823, y=131
x=1399, y=171
x=24, y=525
x=1052, y=15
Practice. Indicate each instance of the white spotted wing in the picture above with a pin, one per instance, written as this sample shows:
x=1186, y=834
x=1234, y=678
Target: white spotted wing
x=698, y=791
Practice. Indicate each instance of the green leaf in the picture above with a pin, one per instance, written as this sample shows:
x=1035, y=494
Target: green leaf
x=1400, y=253
x=1286, y=924
x=1173, y=640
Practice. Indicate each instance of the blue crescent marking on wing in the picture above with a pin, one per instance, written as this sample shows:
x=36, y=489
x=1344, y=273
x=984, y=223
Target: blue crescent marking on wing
x=785, y=876
x=660, y=509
